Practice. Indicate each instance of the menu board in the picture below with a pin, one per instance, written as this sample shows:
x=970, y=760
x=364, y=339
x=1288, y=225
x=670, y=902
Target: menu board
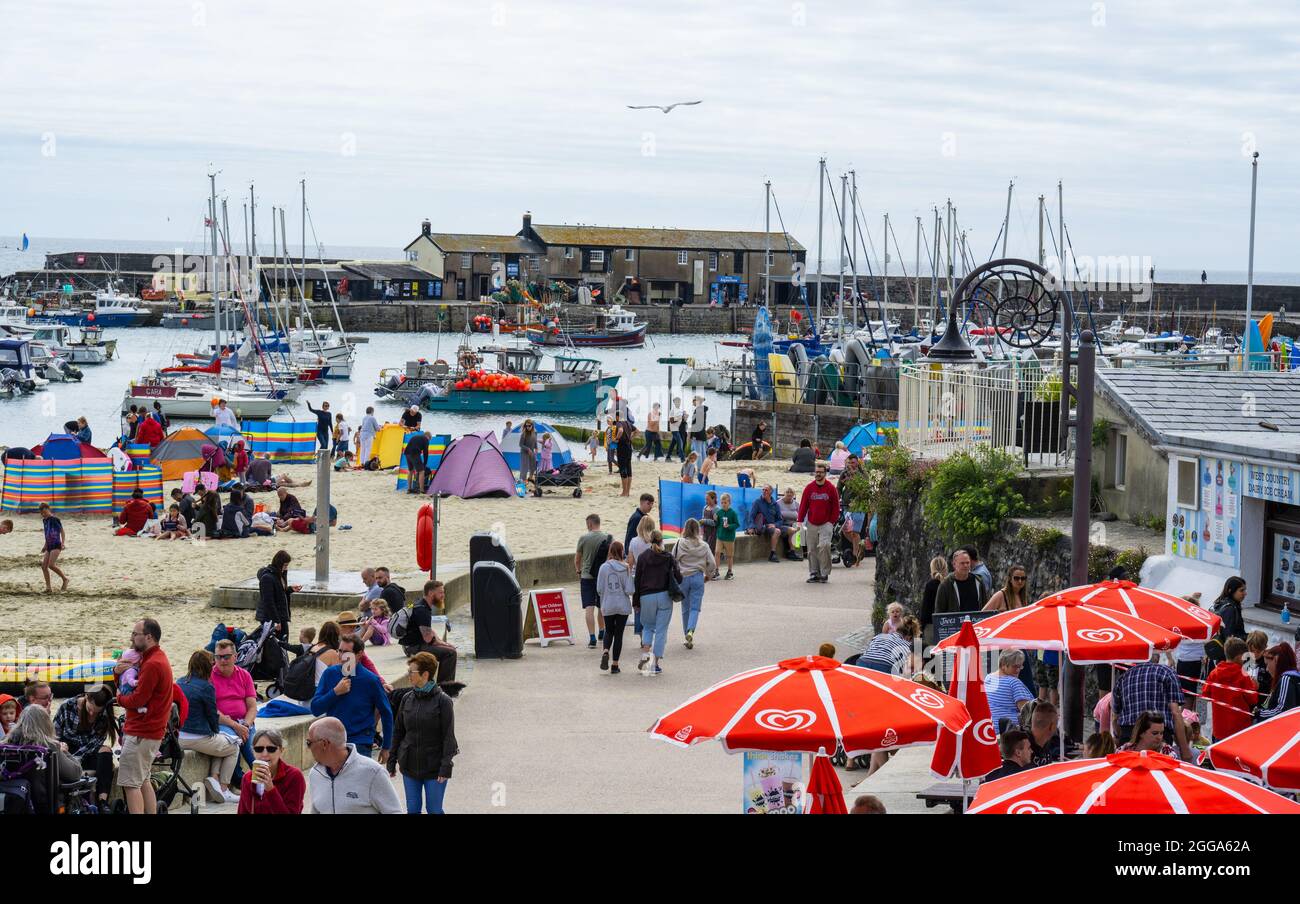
x=1286, y=566
x=773, y=783
x=1212, y=532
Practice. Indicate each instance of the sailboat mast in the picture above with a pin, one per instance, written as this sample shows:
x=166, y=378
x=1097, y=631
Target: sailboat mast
x=821, y=192
x=225, y=231
x=916, y=291
x=216, y=295
x=1006, y=219
x=853, y=252
x=934, y=271
x=950, y=239
x=884, y=250
x=839, y=293
x=1041, y=211
x=767, y=243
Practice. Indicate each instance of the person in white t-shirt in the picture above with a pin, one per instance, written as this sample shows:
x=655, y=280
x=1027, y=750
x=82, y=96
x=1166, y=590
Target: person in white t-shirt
x=342, y=437
x=224, y=416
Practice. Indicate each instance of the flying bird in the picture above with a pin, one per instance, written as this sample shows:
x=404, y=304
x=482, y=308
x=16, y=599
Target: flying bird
x=667, y=109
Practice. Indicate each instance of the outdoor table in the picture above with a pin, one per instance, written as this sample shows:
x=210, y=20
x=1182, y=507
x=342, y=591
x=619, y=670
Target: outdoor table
x=950, y=793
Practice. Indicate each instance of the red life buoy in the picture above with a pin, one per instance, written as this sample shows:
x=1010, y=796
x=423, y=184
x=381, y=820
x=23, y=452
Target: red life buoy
x=424, y=537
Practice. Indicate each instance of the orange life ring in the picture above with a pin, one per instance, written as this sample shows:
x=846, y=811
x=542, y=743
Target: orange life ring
x=424, y=537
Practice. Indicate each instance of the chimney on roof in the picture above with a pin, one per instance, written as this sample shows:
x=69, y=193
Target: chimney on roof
x=425, y=228
x=528, y=220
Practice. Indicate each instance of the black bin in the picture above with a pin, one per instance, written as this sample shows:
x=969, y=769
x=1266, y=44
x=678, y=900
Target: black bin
x=499, y=614
x=486, y=546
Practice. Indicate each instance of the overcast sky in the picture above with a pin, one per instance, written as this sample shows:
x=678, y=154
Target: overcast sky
x=470, y=112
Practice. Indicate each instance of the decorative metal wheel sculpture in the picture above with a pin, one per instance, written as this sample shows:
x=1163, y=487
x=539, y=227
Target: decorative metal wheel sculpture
x=1015, y=297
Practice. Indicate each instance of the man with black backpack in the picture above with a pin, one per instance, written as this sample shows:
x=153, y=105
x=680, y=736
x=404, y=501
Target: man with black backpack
x=417, y=634
x=392, y=594
x=593, y=550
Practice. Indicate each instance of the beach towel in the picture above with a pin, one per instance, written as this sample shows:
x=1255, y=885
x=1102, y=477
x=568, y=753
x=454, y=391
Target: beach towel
x=280, y=707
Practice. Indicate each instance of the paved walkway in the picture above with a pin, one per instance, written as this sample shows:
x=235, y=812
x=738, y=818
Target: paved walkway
x=553, y=733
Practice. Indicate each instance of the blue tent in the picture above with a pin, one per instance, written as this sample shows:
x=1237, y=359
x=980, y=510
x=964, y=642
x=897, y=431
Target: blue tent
x=561, y=454
x=223, y=433
x=863, y=435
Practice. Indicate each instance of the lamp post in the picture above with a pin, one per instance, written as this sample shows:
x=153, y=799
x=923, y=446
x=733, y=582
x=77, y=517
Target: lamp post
x=1024, y=309
x=1250, y=263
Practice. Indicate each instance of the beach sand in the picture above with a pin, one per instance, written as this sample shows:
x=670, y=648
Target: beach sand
x=116, y=580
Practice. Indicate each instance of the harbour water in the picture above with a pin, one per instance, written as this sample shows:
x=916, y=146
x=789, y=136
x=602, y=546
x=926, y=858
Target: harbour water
x=27, y=420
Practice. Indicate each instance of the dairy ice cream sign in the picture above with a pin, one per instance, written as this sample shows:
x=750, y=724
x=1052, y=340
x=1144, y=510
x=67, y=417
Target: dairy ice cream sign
x=1272, y=484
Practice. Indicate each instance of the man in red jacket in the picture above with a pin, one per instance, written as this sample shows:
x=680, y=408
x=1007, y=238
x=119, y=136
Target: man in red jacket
x=1231, y=692
x=149, y=431
x=135, y=514
x=148, y=709
x=819, y=510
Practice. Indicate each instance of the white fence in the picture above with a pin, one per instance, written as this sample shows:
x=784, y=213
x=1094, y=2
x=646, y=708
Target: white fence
x=1011, y=406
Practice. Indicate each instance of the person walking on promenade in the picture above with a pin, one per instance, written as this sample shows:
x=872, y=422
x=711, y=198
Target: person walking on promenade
x=819, y=510
x=55, y=543
x=324, y=424
x=424, y=737
x=148, y=709
x=643, y=507
x=695, y=561
x=655, y=571
x=728, y=524
x=614, y=589
x=587, y=561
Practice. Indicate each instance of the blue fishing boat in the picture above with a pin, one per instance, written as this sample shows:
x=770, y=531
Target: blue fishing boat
x=112, y=309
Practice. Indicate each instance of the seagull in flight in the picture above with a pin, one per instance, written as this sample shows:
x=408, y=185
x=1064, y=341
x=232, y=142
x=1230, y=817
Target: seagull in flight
x=667, y=109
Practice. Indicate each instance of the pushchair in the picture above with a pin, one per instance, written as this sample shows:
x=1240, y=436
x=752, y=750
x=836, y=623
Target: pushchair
x=262, y=657
x=165, y=773
x=842, y=546
x=29, y=784
x=568, y=475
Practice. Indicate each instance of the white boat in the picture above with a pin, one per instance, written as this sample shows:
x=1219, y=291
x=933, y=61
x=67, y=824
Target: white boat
x=189, y=398
x=52, y=367
x=77, y=346
x=12, y=314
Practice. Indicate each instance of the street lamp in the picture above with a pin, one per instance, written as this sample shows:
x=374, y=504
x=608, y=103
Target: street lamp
x=1021, y=305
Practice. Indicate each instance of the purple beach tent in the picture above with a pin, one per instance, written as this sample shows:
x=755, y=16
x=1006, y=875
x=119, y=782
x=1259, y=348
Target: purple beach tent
x=473, y=466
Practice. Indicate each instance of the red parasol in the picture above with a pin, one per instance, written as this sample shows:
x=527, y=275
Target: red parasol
x=824, y=794
x=1173, y=612
x=1126, y=782
x=974, y=752
x=1269, y=752
x=809, y=704
x=1087, y=634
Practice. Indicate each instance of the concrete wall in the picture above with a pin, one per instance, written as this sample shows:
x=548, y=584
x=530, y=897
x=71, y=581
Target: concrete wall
x=1144, y=494
x=788, y=424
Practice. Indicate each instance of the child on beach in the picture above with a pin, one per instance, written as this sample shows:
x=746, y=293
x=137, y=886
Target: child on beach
x=689, y=468
x=55, y=543
x=546, y=453
x=173, y=525
x=611, y=443
x=593, y=443
x=707, y=466
x=8, y=713
x=342, y=436
x=728, y=521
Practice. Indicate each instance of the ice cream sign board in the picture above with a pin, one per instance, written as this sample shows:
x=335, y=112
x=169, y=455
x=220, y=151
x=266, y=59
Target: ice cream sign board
x=1272, y=484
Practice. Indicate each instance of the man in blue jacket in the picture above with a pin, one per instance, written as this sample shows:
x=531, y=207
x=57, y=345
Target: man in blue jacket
x=354, y=702
x=765, y=521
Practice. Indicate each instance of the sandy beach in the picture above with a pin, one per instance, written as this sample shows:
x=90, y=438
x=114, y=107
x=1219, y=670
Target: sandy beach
x=115, y=580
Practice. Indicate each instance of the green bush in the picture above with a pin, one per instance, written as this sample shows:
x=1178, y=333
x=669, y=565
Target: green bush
x=971, y=494
x=1100, y=433
x=888, y=473
x=1048, y=389
x=1044, y=539
x=1132, y=561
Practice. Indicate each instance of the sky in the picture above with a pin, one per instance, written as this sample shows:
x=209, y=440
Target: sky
x=470, y=113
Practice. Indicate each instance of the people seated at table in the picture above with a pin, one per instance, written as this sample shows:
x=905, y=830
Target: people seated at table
x=1017, y=754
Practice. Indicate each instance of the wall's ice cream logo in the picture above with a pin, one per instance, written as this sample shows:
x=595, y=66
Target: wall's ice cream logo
x=928, y=699
x=684, y=732
x=981, y=631
x=889, y=738
x=785, y=719
x=1031, y=807
x=1198, y=613
x=1099, y=635
x=985, y=733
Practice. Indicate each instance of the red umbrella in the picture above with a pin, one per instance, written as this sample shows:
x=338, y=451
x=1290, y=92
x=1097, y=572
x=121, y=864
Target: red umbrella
x=824, y=794
x=974, y=752
x=1164, y=609
x=1268, y=751
x=1126, y=782
x=1087, y=634
x=809, y=704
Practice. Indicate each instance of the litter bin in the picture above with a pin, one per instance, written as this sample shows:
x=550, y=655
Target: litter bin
x=498, y=614
x=486, y=546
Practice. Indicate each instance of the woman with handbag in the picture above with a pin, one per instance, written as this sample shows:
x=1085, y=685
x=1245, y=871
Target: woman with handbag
x=657, y=586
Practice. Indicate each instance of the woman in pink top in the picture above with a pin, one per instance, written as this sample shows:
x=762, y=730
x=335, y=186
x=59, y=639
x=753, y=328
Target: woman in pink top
x=236, y=699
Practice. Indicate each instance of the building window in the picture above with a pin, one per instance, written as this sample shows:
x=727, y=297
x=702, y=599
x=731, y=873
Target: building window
x=535, y=263
x=1119, y=461
x=568, y=253
x=412, y=255
x=771, y=258
x=467, y=261
x=1187, y=483
x=496, y=258
x=629, y=255
x=681, y=258
x=738, y=264
x=597, y=257
x=713, y=260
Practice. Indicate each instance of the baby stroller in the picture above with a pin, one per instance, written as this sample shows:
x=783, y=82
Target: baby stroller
x=263, y=658
x=165, y=773
x=29, y=784
x=566, y=475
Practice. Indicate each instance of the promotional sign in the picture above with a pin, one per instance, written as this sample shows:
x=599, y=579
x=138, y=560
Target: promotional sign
x=947, y=624
x=773, y=783
x=548, y=617
x=1220, y=511
x=1272, y=484
x=1286, y=566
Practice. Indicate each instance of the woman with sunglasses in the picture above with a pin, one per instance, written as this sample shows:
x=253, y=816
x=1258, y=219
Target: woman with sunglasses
x=1281, y=664
x=273, y=786
x=1013, y=596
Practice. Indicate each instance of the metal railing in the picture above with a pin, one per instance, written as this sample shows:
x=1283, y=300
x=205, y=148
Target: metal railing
x=1014, y=407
